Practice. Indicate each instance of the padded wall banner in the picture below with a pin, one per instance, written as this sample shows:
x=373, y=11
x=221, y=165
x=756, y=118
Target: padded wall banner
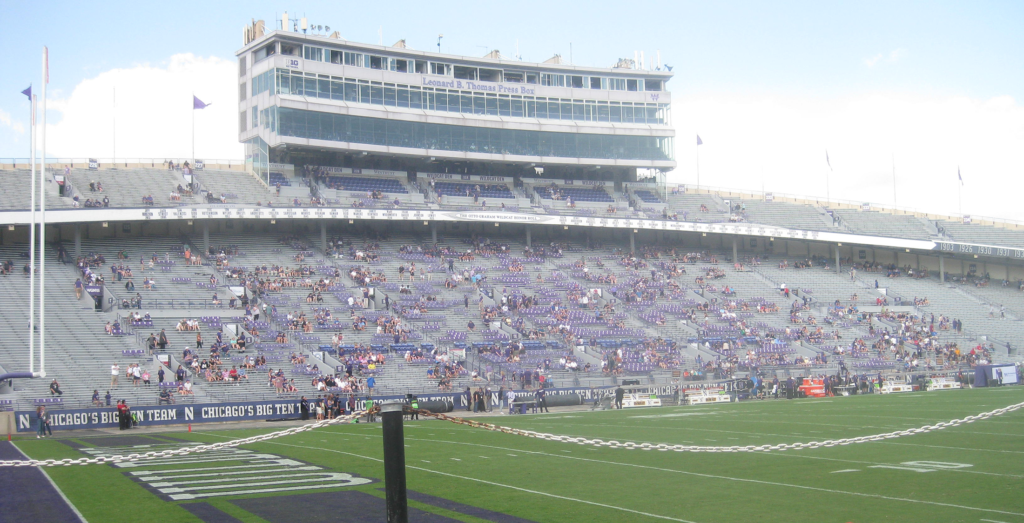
x=106, y=417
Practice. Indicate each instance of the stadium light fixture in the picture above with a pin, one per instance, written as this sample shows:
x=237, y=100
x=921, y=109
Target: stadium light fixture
x=839, y=245
x=104, y=224
x=351, y=221
x=703, y=234
x=10, y=227
x=908, y=250
x=273, y=222
x=566, y=227
x=425, y=222
x=495, y=224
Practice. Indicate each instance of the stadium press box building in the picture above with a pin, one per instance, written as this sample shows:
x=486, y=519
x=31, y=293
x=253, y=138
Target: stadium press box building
x=321, y=100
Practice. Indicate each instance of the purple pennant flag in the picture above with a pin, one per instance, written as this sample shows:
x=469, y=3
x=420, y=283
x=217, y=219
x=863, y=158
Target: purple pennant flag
x=959, y=176
x=699, y=141
x=28, y=93
x=199, y=104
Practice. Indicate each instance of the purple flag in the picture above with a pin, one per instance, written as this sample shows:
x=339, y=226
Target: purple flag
x=829, y=162
x=699, y=141
x=958, y=175
x=28, y=93
x=199, y=104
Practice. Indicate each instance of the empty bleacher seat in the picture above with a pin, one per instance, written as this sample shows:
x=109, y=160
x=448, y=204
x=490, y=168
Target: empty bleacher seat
x=353, y=183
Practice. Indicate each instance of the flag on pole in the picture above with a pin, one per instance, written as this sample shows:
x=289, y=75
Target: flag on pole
x=46, y=62
x=199, y=104
x=28, y=93
x=959, y=176
x=829, y=162
x=699, y=141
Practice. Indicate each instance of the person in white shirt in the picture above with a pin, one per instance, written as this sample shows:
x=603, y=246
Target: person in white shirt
x=511, y=395
x=115, y=370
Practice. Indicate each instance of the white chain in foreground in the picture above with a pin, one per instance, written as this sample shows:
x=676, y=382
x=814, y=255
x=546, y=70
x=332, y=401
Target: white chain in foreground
x=749, y=448
x=519, y=432
x=179, y=452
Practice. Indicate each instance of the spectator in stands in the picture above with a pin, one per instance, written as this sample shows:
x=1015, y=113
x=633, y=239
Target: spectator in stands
x=96, y=398
x=55, y=388
x=115, y=371
x=78, y=289
x=165, y=397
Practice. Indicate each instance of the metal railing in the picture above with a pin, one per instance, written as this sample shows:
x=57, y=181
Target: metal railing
x=75, y=162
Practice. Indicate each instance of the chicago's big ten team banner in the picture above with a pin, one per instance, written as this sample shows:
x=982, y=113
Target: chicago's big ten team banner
x=95, y=418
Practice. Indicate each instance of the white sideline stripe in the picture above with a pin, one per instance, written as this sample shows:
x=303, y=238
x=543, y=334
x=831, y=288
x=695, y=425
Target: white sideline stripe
x=54, y=485
x=805, y=456
x=993, y=521
x=745, y=480
x=602, y=505
x=951, y=448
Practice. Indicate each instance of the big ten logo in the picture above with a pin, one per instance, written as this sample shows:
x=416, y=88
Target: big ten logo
x=293, y=63
x=655, y=96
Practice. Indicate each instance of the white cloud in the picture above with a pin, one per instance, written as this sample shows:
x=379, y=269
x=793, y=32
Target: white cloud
x=896, y=54
x=870, y=62
x=891, y=57
x=5, y=119
x=153, y=112
x=930, y=137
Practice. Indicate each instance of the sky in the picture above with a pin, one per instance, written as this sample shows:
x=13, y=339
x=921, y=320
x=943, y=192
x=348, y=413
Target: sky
x=901, y=95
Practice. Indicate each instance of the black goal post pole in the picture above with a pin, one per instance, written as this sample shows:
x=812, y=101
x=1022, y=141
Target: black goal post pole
x=394, y=462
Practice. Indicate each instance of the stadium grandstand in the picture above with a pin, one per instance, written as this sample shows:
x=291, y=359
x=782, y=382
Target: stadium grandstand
x=414, y=223
x=608, y=257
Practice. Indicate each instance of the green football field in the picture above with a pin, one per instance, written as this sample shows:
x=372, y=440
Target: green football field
x=974, y=472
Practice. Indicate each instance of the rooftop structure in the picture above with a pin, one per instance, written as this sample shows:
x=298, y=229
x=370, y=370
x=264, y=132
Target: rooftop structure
x=319, y=100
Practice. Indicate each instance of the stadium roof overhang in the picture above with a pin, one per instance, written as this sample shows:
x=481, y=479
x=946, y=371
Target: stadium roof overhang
x=241, y=212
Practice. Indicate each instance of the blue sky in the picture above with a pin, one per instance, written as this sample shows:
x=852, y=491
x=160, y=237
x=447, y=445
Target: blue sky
x=776, y=81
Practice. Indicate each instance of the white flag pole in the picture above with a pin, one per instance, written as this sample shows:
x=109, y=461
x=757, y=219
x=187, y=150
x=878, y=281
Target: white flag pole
x=32, y=247
x=42, y=227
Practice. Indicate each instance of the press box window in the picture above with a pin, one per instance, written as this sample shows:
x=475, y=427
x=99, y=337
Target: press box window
x=440, y=69
x=514, y=76
x=315, y=54
x=490, y=75
x=465, y=73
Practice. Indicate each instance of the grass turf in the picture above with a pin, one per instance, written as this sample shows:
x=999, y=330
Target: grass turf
x=974, y=472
